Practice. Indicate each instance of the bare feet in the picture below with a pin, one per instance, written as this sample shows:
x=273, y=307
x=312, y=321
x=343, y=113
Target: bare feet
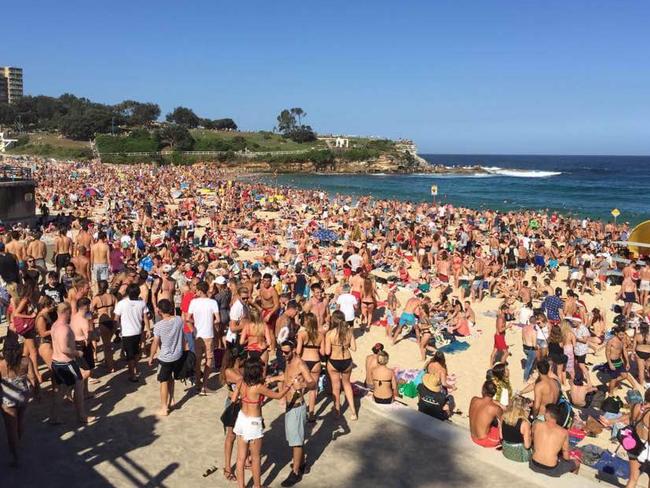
x=162, y=412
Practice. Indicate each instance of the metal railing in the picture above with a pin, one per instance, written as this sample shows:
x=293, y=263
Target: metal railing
x=15, y=173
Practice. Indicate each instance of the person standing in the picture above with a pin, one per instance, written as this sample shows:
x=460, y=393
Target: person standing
x=347, y=303
x=204, y=315
x=299, y=378
x=99, y=257
x=168, y=339
x=65, y=370
x=132, y=314
x=15, y=369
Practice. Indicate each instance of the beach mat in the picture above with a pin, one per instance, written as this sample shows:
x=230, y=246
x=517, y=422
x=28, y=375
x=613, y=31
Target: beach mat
x=454, y=347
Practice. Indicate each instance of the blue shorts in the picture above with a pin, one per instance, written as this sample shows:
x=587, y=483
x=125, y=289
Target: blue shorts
x=539, y=261
x=406, y=319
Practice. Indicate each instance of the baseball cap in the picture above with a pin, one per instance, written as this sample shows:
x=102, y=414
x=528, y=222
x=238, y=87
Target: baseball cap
x=167, y=268
x=220, y=280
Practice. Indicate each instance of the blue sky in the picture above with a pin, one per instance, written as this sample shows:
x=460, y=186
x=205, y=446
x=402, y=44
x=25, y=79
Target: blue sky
x=509, y=76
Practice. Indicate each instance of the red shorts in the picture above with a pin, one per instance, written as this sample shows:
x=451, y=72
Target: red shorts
x=272, y=318
x=443, y=278
x=500, y=342
x=492, y=440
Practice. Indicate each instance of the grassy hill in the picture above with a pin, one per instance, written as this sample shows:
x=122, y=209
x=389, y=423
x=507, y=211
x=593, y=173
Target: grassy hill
x=51, y=146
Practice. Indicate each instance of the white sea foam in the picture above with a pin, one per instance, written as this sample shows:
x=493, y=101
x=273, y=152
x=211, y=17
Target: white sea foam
x=520, y=173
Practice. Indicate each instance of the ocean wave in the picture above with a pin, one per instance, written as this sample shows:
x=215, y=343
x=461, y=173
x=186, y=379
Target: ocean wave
x=519, y=173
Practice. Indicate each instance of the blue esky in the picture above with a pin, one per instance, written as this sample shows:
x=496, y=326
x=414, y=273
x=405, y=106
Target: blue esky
x=505, y=77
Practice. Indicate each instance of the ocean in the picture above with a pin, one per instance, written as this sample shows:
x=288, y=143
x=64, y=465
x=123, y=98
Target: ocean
x=589, y=186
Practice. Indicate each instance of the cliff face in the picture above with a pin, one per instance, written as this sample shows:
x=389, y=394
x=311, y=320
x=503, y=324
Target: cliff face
x=385, y=163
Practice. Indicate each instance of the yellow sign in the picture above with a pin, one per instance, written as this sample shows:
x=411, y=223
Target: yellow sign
x=616, y=212
x=434, y=190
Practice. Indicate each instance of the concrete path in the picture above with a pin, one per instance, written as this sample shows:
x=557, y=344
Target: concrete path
x=130, y=447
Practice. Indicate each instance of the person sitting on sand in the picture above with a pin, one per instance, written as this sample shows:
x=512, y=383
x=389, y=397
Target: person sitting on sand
x=371, y=363
x=383, y=380
x=432, y=399
x=551, y=446
x=516, y=431
x=546, y=391
x=484, y=416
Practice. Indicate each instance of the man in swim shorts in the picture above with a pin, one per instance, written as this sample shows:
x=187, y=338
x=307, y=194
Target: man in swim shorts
x=299, y=377
x=484, y=415
x=551, y=446
x=407, y=318
x=616, y=353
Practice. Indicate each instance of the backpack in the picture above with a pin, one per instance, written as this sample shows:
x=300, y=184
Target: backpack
x=511, y=256
x=186, y=370
x=612, y=405
x=630, y=440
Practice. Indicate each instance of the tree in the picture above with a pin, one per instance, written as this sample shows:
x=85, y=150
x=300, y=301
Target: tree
x=299, y=113
x=286, y=121
x=7, y=114
x=304, y=133
x=177, y=137
x=183, y=116
x=219, y=124
x=138, y=113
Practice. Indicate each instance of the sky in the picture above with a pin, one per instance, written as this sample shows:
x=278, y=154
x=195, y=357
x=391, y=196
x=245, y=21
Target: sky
x=456, y=76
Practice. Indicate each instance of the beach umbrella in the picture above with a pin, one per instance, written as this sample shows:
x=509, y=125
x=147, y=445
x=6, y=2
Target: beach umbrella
x=92, y=192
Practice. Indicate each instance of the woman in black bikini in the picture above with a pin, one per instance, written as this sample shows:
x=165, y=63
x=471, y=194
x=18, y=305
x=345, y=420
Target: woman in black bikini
x=310, y=348
x=642, y=351
x=102, y=307
x=383, y=380
x=339, y=341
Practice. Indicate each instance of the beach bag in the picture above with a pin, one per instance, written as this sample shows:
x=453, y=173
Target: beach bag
x=612, y=405
x=597, y=399
x=630, y=440
x=633, y=397
x=567, y=411
x=408, y=390
x=186, y=370
x=24, y=325
x=229, y=415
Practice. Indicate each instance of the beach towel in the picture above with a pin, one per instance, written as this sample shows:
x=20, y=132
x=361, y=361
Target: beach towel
x=613, y=465
x=454, y=347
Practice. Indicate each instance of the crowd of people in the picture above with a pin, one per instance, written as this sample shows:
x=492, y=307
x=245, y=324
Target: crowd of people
x=267, y=290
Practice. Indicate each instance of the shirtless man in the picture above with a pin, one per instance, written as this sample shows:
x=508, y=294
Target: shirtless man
x=318, y=305
x=37, y=250
x=629, y=294
x=17, y=247
x=297, y=375
x=99, y=254
x=65, y=370
x=484, y=416
x=62, y=250
x=547, y=390
x=165, y=286
x=529, y=339
x=84, y=239
x=83, y=329
x=617, y=359
x=525, y=293
x=644, y=284
x=407, y=318
x=500, y=352
x=270, y=302
x=551, y=446
x=82, y=263
x=479, y=276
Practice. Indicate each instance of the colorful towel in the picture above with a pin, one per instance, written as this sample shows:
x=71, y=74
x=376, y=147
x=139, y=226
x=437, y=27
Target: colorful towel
x=454, y=347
